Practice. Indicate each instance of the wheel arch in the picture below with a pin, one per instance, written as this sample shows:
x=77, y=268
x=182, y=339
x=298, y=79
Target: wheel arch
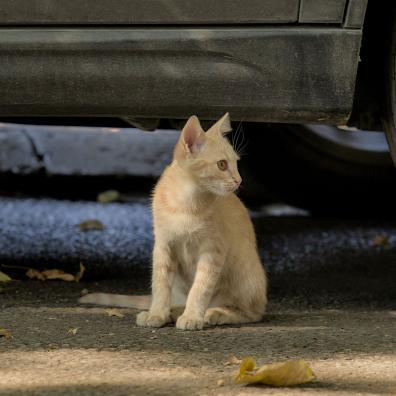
x=370, y=82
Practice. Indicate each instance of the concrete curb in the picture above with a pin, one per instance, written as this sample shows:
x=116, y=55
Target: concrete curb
x=84, y=151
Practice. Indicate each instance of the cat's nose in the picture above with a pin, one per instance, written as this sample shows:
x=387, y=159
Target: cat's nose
x=237, y=182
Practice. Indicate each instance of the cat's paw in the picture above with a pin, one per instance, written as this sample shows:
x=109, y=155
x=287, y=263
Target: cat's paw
x=146, y=319
x=189, y=322
x=217, y=316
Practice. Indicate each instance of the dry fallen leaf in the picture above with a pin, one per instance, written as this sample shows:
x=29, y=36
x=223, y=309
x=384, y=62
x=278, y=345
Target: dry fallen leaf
x=91, y=225
x=108, y=196
x=55, y=274
x=80, y=273
x=380, y=240
x=232, y=359
x=33, y=274
x=6, y=334
x=72, y=331
x=4, y=277
x=220, y=382
x=114, y=312
x=58, y=274
x=289, y=373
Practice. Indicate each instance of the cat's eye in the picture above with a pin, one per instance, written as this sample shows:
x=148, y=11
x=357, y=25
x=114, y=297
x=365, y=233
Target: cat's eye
x=222, y=165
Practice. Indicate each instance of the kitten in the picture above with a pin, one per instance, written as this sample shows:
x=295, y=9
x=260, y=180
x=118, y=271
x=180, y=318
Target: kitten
x=205, y=258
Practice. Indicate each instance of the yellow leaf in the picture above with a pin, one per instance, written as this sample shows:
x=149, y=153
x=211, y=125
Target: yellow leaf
x=289, y=373
x=4, y=277
x=72, y=331
x=6, y=334
x=108, y=196
x=114, y=312
x=91, y=225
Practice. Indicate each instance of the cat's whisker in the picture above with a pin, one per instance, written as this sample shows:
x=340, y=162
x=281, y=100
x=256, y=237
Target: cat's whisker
x=237, y=143
x=242, y=142
x=236, y=134
x=233, y=139
x=240, y=151
x=233, y=134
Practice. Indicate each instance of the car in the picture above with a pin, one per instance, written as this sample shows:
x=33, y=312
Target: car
x=305, y=78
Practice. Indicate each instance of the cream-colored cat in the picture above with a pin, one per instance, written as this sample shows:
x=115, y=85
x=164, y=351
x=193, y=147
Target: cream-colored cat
x=205, y=257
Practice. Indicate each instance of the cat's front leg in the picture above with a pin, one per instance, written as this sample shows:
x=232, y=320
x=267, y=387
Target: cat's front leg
x=206, y=277
x=164, y=270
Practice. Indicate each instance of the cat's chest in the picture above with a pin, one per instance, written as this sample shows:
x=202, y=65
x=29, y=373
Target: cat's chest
x=189, y=236
x=181, y=227
x=186, y=234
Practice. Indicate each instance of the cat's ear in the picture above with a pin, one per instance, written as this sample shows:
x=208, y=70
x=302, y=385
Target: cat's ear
x=191, y=138
x=221, y=127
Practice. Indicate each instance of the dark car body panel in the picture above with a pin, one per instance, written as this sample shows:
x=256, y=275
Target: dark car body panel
x=127, y=12
x=262, y=66
x=254, y=73
x=321, y=11
x=355, y=14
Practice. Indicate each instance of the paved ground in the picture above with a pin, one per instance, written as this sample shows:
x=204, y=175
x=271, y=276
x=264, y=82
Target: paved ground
x=326, y=255
x=351, y=349
x=333, y=303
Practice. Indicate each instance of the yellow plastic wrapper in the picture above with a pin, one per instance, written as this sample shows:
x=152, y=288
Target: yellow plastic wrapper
x=289, y=373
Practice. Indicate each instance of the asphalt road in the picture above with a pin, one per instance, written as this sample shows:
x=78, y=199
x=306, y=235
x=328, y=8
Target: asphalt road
x=332, y=302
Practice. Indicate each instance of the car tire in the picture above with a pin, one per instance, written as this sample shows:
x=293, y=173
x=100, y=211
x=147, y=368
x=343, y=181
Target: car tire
x=323, y=169
x=389, y=84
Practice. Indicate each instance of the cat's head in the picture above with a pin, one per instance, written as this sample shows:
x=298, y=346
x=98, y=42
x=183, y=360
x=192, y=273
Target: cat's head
x=208, y=157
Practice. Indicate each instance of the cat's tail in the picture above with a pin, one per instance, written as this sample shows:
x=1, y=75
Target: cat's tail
x=116, y=300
